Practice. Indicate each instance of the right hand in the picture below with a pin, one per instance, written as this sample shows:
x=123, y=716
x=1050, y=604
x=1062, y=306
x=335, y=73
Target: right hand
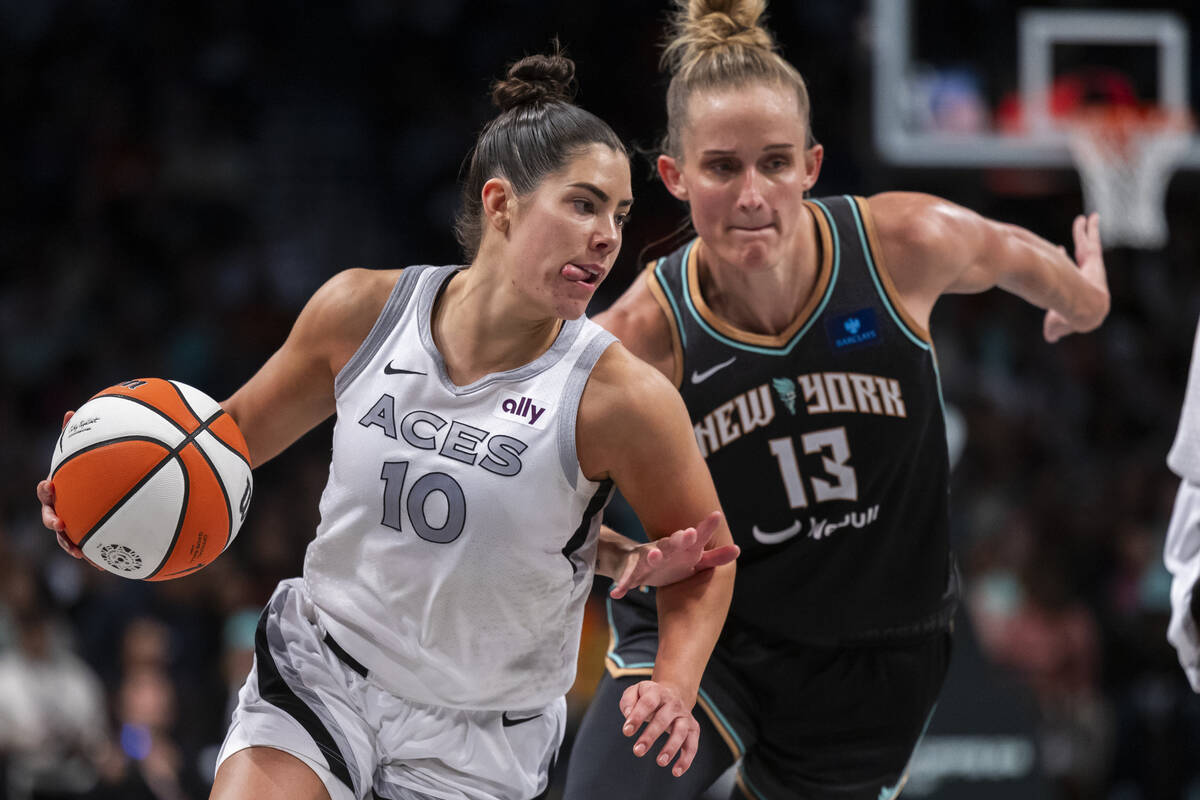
x=45, y=495
x=673, y=558
x=1089, y=258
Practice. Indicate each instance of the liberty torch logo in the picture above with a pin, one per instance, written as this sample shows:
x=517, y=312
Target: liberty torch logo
x=786, y=389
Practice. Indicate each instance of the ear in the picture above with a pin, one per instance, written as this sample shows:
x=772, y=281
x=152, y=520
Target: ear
x=813, y=159
x=672, y=177
x=498, y=202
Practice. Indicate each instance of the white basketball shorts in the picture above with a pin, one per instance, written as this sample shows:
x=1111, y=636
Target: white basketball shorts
x=308, y=697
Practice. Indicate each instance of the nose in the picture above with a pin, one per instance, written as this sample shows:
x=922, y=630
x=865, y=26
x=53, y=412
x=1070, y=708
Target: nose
x=606, y=235
x=750, y=192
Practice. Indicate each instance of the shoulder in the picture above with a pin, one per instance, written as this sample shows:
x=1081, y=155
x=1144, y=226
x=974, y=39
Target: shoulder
x=342, y=311
x=626, y=404
x=352, y=292
x=913, y=222
x=927, y=242
x=641, y=323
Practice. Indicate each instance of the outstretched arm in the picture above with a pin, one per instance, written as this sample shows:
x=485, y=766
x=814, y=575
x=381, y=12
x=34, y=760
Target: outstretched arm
x=932, y=247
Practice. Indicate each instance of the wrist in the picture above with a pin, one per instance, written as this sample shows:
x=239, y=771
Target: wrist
x=611, y=553
x=686, y=689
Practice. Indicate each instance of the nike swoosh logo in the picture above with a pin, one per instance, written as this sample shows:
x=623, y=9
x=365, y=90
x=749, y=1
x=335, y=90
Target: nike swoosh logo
x=508, y=721
x=390, y=370
x=775, y=537
x=700, y=377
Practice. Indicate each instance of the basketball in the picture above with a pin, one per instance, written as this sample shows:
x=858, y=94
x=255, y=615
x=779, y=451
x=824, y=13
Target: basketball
x=152, y=479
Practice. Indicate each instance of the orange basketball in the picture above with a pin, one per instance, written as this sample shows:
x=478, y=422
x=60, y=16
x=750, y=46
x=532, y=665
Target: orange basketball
x=152, y=479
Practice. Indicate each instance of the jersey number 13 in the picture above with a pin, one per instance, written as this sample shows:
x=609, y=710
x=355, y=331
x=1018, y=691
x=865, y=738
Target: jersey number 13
x=832, y=443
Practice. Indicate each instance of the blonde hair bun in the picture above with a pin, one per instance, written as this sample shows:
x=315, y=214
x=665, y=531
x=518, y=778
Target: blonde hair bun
x=700, y=26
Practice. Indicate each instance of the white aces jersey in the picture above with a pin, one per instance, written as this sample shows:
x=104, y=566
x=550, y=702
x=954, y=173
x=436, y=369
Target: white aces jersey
x=458, y=533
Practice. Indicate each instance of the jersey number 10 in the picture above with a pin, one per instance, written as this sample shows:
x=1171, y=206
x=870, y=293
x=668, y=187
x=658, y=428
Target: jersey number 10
x=832, y=442
x=393, y=477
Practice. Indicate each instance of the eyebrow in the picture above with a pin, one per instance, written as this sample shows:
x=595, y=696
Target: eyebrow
x=596, y=190
x=768, y=147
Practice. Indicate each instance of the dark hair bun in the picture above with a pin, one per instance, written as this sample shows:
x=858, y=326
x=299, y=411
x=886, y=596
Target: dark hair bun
x=536, y=79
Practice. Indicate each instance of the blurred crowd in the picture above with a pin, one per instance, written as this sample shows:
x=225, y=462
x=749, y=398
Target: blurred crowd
x=176, y=179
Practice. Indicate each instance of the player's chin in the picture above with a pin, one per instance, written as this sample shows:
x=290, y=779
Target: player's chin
x=571, y=308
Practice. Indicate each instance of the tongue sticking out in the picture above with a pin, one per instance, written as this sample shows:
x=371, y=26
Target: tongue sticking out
x=574, y=273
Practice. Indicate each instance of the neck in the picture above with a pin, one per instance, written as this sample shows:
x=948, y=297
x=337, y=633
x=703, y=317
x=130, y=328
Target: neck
x=766, y=300
x=480, y=326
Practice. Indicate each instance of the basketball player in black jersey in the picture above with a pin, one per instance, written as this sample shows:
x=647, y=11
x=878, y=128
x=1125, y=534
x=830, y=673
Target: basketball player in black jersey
x=797, y=332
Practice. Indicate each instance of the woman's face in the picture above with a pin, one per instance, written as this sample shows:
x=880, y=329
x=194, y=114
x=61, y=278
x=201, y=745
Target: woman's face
x=565, y=235
x=744, y=171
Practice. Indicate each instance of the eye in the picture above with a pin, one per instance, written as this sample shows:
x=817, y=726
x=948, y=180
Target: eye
x=584, y=206
x=776, y=163
x=721, y=167
x=622, y=220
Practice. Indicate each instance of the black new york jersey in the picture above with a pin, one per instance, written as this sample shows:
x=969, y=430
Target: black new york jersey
x=826, y=443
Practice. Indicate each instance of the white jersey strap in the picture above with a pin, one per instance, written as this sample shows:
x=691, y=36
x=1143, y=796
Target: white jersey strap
x=384, y=323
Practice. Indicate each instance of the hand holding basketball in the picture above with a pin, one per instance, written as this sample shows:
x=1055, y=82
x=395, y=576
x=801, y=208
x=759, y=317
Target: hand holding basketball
x=150, y=479
x=45, y=496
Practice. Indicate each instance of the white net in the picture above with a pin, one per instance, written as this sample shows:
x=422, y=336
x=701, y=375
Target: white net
x=1126, y=159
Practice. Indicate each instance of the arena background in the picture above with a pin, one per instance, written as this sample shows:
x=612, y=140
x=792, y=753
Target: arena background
x=176, y=179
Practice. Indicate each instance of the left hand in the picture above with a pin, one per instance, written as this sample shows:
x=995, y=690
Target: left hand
x=673, y=558
x=661, y=708
x=1090, y=257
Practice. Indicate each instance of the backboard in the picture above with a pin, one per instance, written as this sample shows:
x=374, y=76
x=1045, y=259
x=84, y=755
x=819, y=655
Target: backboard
x=947, y=109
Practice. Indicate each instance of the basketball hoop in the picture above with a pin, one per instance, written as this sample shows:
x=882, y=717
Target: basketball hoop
x=1126, y=156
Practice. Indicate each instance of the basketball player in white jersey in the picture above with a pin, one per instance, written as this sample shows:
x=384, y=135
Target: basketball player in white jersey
x=482, y=423
x=1181, y=552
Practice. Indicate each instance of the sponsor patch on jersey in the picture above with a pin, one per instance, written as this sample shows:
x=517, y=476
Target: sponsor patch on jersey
x=853, y=330
x=524, y=409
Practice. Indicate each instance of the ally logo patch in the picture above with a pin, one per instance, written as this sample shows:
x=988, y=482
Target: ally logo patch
x=524, y=409
x=856, y=329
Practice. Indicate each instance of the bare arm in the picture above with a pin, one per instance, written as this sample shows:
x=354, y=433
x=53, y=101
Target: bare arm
x=293, y=391
x=933, y=247
x=634, y=429
x=643, y=327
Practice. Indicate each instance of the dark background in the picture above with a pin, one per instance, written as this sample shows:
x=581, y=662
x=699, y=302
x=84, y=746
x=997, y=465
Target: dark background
x=176, y=179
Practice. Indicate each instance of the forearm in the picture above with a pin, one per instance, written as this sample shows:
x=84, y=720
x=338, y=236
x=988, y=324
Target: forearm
x=1045, y=275
x=691, y=614
x=611, y=552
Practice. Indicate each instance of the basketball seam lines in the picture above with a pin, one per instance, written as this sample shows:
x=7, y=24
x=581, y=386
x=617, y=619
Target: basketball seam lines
x=212, y=466
x=173, y=454
x=183, y=400
x=157, y=411
x=187, y=485
x=106, y=443
x=227, y=445
x=230, y=447
x=183, y=509
x=224, y=493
